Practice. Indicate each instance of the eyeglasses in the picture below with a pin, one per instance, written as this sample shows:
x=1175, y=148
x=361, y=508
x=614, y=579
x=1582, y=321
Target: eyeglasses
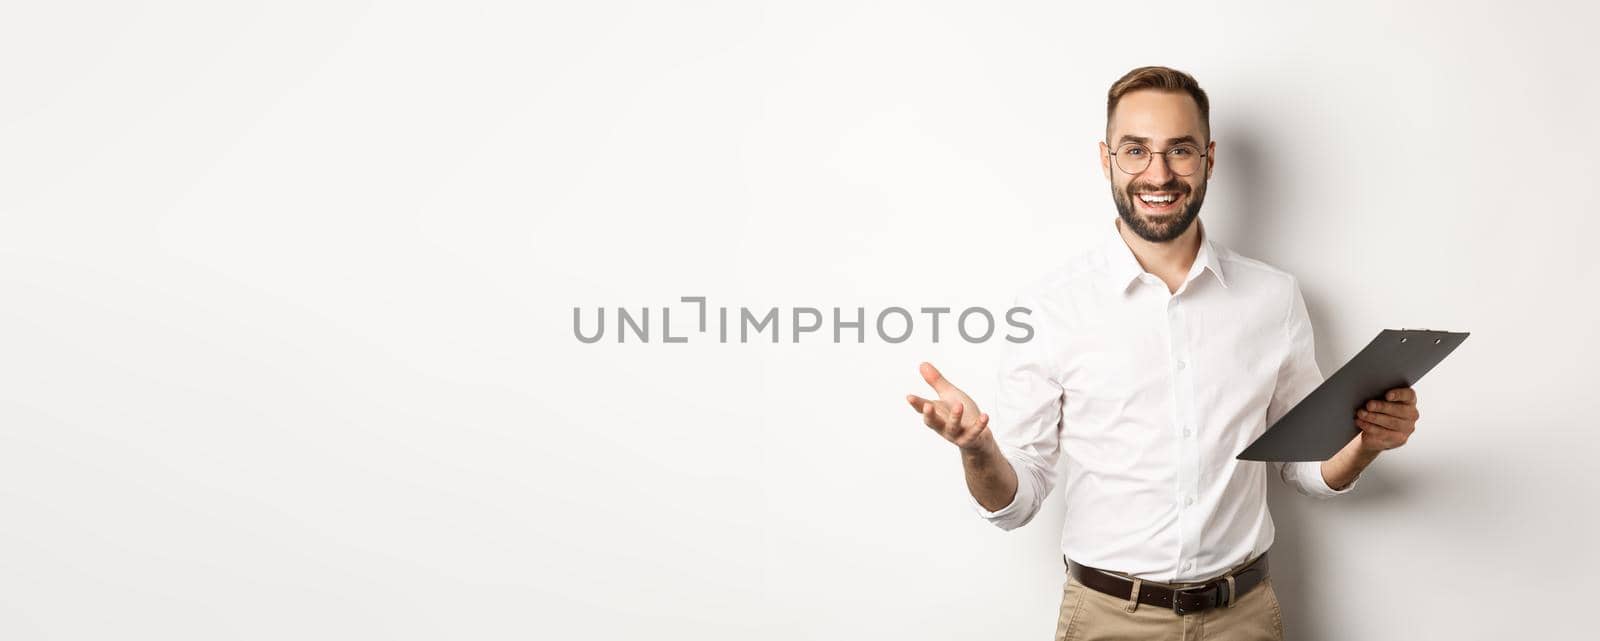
x=1134, y=158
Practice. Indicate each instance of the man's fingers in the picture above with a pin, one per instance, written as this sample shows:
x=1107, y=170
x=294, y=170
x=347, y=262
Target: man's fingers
x=1384, y=420
x=948, y=414
x=934, y=378
x=1376, y=433
x=1381, y=436
x=916, y=401
x=978, y=430
x=1369, y=426
x=1401, y=395
x=1400, y=410
x=1381, y=420
x=936, y=416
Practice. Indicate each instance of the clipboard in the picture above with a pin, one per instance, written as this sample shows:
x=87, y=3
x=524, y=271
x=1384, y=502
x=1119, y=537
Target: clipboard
x=1323, y=422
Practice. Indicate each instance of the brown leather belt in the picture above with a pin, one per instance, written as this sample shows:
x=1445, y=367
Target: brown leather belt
x=1216, y=593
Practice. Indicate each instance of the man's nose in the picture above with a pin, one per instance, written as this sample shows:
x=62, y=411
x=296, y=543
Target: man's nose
x=1158, y=172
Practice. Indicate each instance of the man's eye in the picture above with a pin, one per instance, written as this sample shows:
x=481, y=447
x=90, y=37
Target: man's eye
x=1134, y=151
x=1182, y=152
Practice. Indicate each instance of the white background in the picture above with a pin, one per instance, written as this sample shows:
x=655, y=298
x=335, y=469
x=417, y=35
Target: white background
x=286, y=296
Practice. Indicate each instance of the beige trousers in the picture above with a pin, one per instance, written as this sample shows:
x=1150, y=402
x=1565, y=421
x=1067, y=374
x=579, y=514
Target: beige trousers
x=1091, y=615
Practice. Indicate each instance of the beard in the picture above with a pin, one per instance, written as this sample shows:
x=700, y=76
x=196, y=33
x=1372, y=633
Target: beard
x=1159, y=229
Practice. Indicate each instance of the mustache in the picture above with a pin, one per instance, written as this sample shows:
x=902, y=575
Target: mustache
x=1175, y=186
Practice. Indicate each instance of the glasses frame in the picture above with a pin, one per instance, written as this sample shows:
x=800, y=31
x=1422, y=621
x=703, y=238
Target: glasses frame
x=1163, y=156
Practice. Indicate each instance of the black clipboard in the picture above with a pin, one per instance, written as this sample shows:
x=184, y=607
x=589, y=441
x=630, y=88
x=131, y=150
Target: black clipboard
x=1322, y=423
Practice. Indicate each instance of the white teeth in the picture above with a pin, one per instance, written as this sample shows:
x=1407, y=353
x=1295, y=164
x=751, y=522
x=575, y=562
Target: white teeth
x=1155, y=199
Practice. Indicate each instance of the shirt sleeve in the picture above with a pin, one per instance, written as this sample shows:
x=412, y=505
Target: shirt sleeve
x=1297, y=377
x=1026, y=423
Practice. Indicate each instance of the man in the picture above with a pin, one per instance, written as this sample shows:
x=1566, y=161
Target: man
x=1158, y=356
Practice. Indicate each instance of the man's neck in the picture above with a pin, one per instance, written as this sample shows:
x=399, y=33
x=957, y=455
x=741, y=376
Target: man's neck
x=1170, y=261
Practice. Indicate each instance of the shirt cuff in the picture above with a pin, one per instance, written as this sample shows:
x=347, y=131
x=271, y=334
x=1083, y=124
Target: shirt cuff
x=1310, y=475
x=1011, y=513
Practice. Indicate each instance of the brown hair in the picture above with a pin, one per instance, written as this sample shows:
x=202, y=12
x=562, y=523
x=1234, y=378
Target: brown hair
x=1162, y=79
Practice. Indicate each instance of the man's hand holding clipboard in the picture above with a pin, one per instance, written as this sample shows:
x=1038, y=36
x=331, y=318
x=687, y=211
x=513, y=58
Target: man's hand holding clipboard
x=1371, y=396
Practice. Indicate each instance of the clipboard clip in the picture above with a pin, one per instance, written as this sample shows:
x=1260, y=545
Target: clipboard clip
x=1436, y=341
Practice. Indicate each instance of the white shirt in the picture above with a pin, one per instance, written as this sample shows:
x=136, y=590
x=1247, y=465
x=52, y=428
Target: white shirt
x=1150, y=395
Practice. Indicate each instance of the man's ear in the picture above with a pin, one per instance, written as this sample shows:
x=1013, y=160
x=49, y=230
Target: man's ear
x=1211, y=158
x=1105, y=160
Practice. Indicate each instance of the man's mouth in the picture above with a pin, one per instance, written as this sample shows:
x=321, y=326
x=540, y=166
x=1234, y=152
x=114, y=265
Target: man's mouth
x=1158, y=202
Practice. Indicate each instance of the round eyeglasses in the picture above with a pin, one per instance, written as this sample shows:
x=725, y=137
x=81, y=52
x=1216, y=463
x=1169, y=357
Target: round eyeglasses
x=1134, y=158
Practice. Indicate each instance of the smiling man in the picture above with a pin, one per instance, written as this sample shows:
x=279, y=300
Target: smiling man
x=1159, y=355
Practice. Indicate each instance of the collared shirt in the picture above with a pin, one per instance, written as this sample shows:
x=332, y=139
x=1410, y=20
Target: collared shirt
x=1149, y=395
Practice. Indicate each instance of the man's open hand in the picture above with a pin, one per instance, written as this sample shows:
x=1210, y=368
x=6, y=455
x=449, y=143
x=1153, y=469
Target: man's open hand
x=1388, y=424
x=954, y=416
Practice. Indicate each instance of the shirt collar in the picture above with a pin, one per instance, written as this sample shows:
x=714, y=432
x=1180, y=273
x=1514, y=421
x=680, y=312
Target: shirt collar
x=1122, y=268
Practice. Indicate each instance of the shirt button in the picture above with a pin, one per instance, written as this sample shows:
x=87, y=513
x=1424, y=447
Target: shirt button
x=1180, y=364
x=1186, y=432
x=1188, y=500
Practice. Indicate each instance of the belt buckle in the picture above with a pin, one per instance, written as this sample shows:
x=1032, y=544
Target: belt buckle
x=1177, y=607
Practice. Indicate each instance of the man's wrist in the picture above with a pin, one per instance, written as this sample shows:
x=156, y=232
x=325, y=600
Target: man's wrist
x=1341, y=471
x=1364, y=455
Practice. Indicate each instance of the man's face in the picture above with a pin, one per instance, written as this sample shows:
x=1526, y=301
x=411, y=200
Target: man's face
x=1159, y=120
